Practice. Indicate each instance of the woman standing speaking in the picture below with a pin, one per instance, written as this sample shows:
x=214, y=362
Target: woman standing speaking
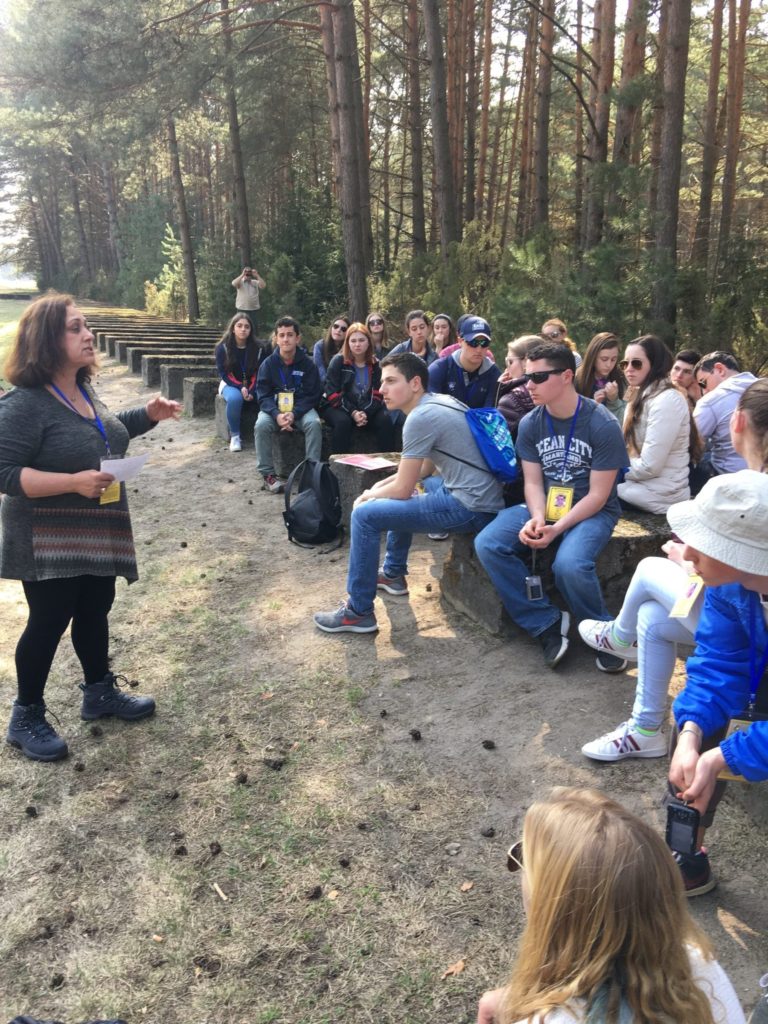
x=66, y=529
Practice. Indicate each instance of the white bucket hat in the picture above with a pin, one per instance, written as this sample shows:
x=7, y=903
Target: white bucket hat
x=728, y=520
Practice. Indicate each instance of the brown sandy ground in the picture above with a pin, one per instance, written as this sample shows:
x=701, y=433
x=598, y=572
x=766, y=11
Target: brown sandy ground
x=275, y=846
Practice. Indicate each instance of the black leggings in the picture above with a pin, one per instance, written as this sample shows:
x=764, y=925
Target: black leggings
x=85, y=601
x=343, y=428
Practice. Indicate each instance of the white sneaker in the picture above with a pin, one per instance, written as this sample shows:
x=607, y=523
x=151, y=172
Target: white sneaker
x=625, y=741
x=599, y=636
x=235, y=445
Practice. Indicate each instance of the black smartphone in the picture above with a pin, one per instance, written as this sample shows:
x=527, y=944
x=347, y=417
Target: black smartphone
x=533, y=588
x=682, y=828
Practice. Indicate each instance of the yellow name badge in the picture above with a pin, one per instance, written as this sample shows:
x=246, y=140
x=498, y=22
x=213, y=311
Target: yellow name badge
x=111, y=494
x=682, y=607
x=559, y=503
x=285, y=401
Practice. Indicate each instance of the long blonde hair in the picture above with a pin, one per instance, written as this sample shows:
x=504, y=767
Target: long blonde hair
x=606, y=916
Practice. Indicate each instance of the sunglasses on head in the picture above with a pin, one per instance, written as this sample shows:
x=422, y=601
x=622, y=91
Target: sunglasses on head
x=553, y=333
x=636, y=364
x=515, y=856
x=375, y=322
x=541, y=376
x=339, y=327
x=478, y=342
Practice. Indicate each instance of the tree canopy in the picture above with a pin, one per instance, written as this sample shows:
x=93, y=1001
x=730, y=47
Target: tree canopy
x=520, y=159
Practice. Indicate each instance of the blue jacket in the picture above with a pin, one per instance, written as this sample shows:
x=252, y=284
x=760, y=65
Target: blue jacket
x=447, y=377
x=407, y=346
x=301, y=377
x=718, y=673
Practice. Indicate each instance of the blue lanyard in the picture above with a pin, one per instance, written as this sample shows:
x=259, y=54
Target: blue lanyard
x=243, y=360
x=570, y=436
x=755, y=671
x=361, y=377
x=282, y=375
x=96, y=421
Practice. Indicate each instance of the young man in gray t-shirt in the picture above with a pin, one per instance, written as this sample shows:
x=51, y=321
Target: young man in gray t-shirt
x=442, y=484
x=571, y=450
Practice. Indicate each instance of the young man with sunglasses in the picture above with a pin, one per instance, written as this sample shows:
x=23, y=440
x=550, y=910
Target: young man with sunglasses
x=467, y=374
x=442, y=483
x=571, y=450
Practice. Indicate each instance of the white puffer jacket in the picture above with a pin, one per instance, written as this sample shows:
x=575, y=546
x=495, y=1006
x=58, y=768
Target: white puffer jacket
x=658, y=476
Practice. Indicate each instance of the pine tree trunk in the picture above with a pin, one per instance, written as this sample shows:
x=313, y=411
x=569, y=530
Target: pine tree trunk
x=522, y=220
x=663, y=308
x=485, y=104
x=352, y=148
x=543, y=103
x=579, y=154
x=492, y=206
x=737, y=38
x=445, y=195
x=115, y=238
x=658, y=106
x=416, y=130
x=185, y=234
x=329, y=51
x=82, y=240
x=710, y=154
x=471, y=111
x=235, y=147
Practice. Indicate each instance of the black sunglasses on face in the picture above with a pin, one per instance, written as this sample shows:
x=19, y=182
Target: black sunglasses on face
x=375, y=322
x=515, y=856
x=478, y=342
x=339, y=327
x=540, y=376
x=703, y=384
x=636, y=364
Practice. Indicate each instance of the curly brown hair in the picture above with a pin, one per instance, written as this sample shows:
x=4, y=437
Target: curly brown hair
x=37, y=353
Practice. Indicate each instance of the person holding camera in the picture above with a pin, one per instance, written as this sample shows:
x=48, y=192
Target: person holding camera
x=721, y=716
x=248, y=285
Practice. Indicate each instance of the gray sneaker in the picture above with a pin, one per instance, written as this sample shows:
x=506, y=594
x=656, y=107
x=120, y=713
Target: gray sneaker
x=554, y=640
x=273, y=484
x=31, y=733
x=395, y=585
x=345, y=620
x=105, y=699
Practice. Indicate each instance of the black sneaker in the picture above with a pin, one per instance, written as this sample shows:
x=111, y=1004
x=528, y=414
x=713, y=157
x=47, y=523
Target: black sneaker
x=696, y=872
x=104, y=699
x=610, y=663
x=554, y=640
x=31, y=733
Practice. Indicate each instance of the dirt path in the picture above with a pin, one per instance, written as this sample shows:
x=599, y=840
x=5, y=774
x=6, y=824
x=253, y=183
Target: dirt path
x=339, y=890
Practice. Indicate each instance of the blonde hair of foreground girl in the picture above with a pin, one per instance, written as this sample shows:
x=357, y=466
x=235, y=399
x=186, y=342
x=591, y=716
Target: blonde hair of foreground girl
x=607, y=919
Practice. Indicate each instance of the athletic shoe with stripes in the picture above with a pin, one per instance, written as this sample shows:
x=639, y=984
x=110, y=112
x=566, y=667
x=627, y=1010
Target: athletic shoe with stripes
x=599, y=636
x=623, y=742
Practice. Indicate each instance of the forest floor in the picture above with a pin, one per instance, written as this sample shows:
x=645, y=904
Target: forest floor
x=277, y=845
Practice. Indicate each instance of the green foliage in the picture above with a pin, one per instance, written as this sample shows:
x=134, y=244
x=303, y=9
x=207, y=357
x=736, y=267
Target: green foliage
x=166, y=295
x=143, y=225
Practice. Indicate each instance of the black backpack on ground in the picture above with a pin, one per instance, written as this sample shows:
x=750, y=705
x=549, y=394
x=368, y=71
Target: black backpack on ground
x=314, y=515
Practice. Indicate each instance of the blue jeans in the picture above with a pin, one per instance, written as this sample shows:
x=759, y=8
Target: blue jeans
x=499, y=549
x=309, y=425
x=437, y=511
x=234, y=398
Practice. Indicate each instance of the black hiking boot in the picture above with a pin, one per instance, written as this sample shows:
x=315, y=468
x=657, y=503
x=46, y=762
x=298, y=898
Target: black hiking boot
x=31, y=733
x=105, y=699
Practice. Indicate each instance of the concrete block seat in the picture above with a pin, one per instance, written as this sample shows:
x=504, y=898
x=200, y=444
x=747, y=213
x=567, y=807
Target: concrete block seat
x=353, y=480
x=199, y=395
x=150, y=365
x=124, y=346
x=172, y=379
x=466, y=587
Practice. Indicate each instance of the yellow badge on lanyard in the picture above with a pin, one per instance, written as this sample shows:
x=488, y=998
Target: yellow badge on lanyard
x=559, y=503
x=111, y=494
x=285, y=401
x=683, y=606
